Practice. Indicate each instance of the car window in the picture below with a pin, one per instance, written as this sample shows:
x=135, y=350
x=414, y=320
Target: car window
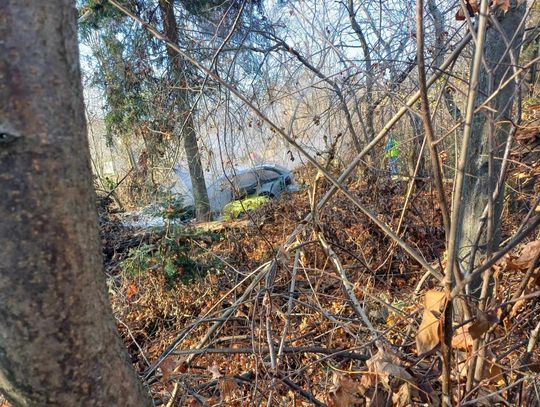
x=245, y=180
x=267, y=175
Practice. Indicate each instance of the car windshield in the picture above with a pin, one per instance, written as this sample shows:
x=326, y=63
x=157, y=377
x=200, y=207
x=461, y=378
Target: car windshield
x=266, y=175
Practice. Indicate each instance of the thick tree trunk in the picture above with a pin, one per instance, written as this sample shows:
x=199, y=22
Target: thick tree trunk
x=58, y=340
x=193, y=156
x=478, y=184
x=531, y=50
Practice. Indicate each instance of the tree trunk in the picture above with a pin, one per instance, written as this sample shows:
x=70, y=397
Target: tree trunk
x=531, y=49
x=478, y=184
x=58, y=340
x=193, y=156
x=440, y=51
x=413, y=155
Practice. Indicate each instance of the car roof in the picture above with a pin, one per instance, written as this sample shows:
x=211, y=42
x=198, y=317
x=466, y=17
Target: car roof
x=240, y=171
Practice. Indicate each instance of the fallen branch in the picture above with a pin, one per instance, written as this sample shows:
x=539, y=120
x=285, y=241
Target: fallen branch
x=225, y=316
x=232, y=309
x=349, y=288
x=341, y=353
x=307, y=395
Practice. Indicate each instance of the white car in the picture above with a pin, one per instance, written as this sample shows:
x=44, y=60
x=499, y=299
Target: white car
x=262, y=180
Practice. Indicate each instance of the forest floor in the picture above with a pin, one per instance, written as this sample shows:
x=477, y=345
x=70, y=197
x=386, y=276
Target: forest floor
x=231, y=316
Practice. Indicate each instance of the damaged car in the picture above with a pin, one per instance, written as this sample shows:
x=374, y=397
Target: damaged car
x=266, y=180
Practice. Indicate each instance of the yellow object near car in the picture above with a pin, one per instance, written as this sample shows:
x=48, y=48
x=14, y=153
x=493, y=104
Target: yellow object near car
x=235, y=208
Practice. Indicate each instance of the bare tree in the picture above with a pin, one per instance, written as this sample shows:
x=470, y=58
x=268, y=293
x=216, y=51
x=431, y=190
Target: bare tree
x=58, y=344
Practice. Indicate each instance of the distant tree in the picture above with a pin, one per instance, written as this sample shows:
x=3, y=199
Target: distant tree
x=58, y=341
x=134, y=117
x=178, y=69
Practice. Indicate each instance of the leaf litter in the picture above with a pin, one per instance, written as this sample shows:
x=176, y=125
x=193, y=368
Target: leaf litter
x=326, y=355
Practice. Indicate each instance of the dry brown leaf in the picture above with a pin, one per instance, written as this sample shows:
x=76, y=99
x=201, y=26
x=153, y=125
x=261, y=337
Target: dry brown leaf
x=344, y=392
x=462, y=338
x=167, y=368
x=532, y=285
x=510, y=265
x=516, y=309
x=504, y=5
x=384, y=366
x=483, y=322
x=478, y=328
x=212, y=401
x=524, y=261
x=226, y=385
x=527, y=254
x=434, y=300
x=461, y=361
x=191, y=401
x=428, y=336
x=377, y=398
x=214, y=369
x=492, y=370
x=404, y=396
x=472, y=7
x=227, y=388
x=131, y=291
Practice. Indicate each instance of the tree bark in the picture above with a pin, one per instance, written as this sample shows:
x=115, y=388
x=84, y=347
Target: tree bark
x=531, y=49
x=58, y=339
x=478, y=185
x=193, y=156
